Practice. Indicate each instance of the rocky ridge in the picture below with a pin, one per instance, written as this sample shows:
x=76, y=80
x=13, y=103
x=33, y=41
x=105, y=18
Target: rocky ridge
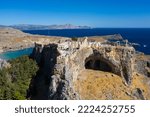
x=62, y=63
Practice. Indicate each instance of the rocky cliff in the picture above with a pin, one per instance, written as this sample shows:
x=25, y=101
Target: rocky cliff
x=143, y=64
x=62, y=64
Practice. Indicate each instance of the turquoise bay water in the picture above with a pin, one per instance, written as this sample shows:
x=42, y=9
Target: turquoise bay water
x=14, y=54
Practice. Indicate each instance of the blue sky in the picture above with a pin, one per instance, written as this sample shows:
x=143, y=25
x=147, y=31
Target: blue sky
x=95, y=13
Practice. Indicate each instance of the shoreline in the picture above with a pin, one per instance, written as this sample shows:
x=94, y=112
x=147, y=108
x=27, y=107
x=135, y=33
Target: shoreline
x=15, y=49
x=8, y=55
x=13, y=40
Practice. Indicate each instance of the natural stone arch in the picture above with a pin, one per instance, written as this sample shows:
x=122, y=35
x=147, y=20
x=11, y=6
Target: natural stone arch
x=98, y=63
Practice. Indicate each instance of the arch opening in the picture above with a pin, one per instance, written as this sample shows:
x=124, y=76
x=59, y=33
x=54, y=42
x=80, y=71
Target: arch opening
x=98, y=64
x=88, y=64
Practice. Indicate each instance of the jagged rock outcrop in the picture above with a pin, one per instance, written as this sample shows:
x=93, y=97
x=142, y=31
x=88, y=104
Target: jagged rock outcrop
x=3, y=63
x=142, y=65
x=60, y=65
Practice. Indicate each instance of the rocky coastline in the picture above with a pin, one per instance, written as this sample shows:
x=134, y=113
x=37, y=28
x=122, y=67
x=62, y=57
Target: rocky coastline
x=13, y=39
x=65, y=64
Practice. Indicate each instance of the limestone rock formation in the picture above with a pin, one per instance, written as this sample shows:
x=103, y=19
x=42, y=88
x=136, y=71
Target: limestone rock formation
x=76, y=69
x=143, y=64
x=61, y=63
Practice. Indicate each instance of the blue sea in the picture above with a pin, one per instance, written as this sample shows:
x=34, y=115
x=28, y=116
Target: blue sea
x=14, y=54
x=134, y=35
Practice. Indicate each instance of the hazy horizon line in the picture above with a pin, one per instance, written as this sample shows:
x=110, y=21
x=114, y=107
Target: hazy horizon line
x=92, y=27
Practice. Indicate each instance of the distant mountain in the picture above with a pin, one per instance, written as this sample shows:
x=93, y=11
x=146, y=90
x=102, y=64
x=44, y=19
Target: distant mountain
x=45, y=27
x=2, y=26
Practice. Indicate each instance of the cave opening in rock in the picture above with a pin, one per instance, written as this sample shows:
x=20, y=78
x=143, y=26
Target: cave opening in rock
x=98, y=65
x=148, y=74
x=148, y=64
x=88, y=64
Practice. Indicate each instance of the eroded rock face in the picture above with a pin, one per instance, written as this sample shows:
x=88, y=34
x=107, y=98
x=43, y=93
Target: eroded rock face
x=60, y=65
x=46, y=58
x=3, y=63
x=142, y=65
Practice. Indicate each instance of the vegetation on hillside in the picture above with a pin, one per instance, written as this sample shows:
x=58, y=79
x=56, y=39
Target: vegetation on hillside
x=15, y=80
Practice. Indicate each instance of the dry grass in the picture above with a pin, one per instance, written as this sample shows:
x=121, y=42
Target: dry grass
x=103, y=85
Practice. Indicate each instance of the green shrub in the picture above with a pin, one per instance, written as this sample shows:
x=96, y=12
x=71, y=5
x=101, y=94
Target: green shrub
x=14, y=81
